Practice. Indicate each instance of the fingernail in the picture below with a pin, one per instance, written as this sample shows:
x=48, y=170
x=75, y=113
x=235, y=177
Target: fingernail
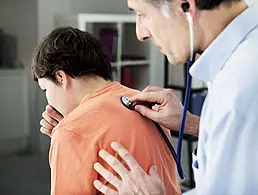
x=102, y=153
x=97, y=184
x=96, y=166
x=48, y=110
x=114, y=145
x=155, y=168
x=136, y=107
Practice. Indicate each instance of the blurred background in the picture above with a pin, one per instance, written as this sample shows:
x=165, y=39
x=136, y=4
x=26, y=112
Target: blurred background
x=24, y=167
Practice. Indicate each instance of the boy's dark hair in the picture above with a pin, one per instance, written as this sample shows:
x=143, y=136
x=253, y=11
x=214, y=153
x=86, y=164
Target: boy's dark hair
x=203, y=4
x=75, y=52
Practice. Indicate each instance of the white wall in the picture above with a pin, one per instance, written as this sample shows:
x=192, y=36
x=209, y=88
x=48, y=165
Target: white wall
x=19, y=18
x=47, y=12
x=14, y=116
x=99, y=6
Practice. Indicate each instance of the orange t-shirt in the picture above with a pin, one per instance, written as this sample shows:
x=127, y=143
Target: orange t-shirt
x=93, y=125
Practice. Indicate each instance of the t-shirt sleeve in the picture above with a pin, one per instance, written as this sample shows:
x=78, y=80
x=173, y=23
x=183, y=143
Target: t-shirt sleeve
x=71, y=160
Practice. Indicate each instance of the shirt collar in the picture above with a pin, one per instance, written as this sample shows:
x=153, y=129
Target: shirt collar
x=214, y=57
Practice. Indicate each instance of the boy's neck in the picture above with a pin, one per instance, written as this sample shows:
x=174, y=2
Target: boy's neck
x=83, y=87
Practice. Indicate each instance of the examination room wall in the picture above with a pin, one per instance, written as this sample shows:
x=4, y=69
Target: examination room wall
x=18, y=20
x=24, y=168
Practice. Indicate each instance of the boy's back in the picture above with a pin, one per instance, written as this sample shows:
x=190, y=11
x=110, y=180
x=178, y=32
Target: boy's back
x=93, y=125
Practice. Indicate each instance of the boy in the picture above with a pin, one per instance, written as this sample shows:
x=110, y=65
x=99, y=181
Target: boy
x=72, y=69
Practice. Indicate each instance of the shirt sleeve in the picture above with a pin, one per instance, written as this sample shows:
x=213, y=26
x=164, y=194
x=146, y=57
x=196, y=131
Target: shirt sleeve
x=231, y=156
x=71, y=160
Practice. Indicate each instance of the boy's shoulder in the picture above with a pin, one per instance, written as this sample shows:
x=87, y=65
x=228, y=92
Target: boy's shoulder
x=97, y=112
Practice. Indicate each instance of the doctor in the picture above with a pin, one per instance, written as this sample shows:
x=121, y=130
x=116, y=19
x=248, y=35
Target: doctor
x=226, y=36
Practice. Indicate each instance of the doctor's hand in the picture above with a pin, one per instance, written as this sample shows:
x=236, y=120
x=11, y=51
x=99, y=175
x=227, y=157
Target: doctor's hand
x=167, y=111
x=50, y=119
x=134, y=181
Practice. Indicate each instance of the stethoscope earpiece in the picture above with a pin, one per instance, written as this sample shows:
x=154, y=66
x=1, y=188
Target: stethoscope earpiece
x=185, y=6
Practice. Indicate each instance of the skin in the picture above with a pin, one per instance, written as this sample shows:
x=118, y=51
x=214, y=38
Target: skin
x=168, y=28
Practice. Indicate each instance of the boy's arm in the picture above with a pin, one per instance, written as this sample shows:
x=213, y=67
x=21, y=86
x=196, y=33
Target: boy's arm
x=71, y=160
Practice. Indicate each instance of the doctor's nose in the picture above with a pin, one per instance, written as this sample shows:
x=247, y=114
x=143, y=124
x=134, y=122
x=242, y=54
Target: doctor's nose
x=142, y=32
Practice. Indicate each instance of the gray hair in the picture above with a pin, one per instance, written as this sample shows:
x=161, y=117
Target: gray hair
x=200, y=4
x=164, y=5
x=160, y=2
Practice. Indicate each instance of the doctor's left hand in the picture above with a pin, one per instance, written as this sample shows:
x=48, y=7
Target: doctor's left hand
x=133, y=182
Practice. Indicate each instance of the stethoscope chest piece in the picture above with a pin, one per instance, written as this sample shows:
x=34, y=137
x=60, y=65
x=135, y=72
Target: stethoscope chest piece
x=125, y=101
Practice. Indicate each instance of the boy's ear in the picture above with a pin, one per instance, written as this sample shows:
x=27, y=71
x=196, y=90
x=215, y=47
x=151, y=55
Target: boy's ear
x=63, y=79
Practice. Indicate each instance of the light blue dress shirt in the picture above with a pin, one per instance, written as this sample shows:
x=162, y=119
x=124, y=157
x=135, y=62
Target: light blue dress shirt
x=227, y=155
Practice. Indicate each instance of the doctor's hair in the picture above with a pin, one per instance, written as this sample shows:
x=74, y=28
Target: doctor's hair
x=200, y=4
x=77, y=53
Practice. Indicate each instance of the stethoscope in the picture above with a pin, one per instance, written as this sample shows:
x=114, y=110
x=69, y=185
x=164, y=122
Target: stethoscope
x=177, y=156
